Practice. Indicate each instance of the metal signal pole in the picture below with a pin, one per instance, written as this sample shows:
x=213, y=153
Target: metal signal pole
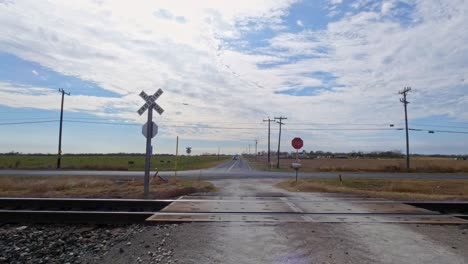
x=148, y=151
x=59, y=156
x=279, y=138
x=269, y=121
x=404, y=92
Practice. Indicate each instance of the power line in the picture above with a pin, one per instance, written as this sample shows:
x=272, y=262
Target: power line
x=439, y=131
x=340, y=124
x=463, y=127
x=240, y=123
x=102, y=123
x=236, y=128
x=28, y=122
x=342, y=129
x=26, y=118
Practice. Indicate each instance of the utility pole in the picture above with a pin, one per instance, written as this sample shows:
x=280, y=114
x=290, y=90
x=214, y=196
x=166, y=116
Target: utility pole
x=59, y=156
x=176, y=157
x=269, y=121
x=404, y=92
x=256, y=152
x=280, y=122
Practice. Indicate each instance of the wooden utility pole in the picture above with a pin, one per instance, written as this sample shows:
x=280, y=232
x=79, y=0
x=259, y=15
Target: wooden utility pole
x=269, y=122
x=404, y=92
x=176, y=157
x=59, y=156
x=256, y=152
x=280, y=122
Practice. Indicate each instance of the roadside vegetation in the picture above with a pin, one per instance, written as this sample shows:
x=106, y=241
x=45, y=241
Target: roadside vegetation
x=109, y=162
x=418, y=164
x=400, y=189
x=92, y=187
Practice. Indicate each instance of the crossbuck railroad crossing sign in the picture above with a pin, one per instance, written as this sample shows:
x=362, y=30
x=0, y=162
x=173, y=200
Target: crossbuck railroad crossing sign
x=150, y=100
x=149, y=130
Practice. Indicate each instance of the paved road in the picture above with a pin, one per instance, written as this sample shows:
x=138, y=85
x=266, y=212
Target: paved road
x=236, y=165
x=235, y=169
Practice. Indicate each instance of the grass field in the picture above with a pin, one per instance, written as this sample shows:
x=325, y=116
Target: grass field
x=109, y=162
x=92, y=187
x=399, y=189
x=368, y=165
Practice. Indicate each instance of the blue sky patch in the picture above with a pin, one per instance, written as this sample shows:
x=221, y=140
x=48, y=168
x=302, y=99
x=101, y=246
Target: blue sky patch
x=23, y=73
x=305, y=91
x=312, y=15
x=326, y=78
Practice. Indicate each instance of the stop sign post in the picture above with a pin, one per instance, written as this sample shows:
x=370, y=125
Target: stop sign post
x=297, y=144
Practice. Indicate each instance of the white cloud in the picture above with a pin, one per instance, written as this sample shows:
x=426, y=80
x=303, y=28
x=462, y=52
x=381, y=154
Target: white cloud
x=387, y=6
x=299, y=23
x=35, y=72
x=335, y=2
x=126, y=48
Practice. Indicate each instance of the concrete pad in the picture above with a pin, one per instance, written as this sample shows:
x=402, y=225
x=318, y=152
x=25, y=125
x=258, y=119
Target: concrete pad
x=305, y=218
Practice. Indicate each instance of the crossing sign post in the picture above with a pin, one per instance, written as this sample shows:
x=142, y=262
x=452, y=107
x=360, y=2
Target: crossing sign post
x=151, y=130
x=297, y=144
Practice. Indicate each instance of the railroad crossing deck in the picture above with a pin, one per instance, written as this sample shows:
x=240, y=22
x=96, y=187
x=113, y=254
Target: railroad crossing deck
x=324, y=208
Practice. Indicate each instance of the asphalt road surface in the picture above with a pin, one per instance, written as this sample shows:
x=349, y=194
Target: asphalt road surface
x=235, y=169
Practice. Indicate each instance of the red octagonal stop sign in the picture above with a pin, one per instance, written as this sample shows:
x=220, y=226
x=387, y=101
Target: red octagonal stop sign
x=297, y=143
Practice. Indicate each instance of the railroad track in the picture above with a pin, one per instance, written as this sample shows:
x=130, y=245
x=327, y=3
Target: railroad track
x=71, y=210
x=207, y=209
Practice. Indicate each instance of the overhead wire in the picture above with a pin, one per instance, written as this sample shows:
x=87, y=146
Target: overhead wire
x=28, y=122
x=71, y=120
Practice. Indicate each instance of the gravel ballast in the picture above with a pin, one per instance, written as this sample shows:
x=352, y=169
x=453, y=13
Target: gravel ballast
x=84, y=244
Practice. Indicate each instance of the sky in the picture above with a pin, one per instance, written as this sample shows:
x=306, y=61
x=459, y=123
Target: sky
x=332, y=67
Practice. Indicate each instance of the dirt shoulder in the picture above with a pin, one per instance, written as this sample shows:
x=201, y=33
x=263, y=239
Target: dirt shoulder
x=92, y=187
x=397, y=189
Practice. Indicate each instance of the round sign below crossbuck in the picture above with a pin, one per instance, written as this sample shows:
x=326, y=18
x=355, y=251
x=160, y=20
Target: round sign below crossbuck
x=144, y=130
x=297, y=143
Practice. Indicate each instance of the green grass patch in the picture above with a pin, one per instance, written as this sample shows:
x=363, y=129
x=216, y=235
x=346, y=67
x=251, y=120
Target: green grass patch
x=108, y=162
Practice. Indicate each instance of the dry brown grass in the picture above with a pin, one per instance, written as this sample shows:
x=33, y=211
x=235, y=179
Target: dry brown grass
x=371, y=165
x=91, y=187
x=400, y=189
